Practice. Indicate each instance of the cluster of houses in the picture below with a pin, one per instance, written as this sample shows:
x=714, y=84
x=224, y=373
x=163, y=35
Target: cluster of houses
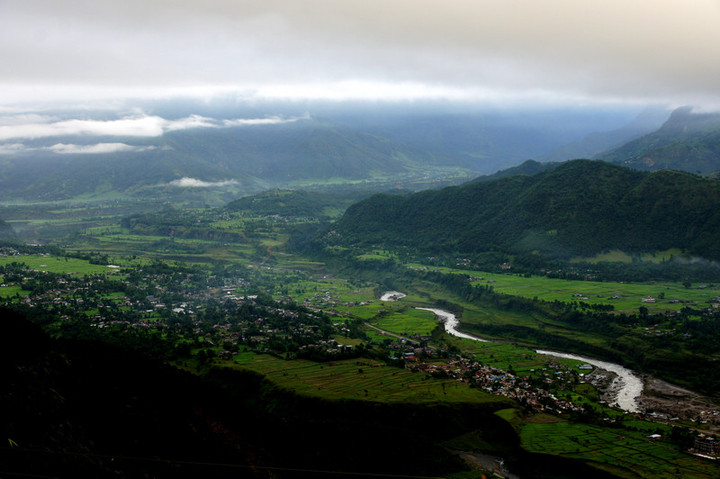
x=149, y=301
x=706, y=446
x=497, y=381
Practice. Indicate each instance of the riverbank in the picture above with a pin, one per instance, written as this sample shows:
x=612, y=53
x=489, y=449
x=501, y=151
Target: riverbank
x=624, y=388
x=669, y=403
x=617, y=385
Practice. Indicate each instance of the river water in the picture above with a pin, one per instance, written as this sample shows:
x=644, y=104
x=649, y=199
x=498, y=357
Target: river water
x=451, y=323
x=627, y=384
x=392, y=296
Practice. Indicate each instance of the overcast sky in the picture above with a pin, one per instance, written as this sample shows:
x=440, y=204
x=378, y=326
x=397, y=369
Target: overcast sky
x=565, y=51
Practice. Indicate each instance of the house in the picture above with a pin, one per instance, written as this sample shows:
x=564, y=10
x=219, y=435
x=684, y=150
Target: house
x=706, y=445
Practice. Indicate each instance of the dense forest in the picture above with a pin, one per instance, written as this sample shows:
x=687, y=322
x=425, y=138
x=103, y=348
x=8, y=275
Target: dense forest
x=580, y=207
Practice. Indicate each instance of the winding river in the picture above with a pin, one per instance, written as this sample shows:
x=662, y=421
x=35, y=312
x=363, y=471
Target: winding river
x=627, y=384
x=451, y=323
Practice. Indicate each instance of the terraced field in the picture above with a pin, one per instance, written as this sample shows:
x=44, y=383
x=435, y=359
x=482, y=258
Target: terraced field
x=361, y=379
x=624, y=452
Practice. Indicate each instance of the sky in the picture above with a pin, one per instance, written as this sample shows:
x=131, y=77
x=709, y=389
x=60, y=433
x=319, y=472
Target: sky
x=544, y=51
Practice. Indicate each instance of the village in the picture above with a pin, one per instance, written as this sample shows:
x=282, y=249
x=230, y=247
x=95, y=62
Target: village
x=496, y=381
x=190, y=308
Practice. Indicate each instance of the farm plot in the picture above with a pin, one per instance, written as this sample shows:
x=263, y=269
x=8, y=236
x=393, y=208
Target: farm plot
x=617, y=449
x=623, y=296
x=408, y=322
x=361, y=379
x=57, y=264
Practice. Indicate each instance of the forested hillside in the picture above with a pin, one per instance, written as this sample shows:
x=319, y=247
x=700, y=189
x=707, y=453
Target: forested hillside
x=580, y=207
x=688, y=141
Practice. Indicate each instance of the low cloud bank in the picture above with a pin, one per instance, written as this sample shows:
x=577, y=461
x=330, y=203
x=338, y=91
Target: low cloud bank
x=72, y=149
x=186, y=182
x=275, y=120
x=98, y=148
x=39, y=126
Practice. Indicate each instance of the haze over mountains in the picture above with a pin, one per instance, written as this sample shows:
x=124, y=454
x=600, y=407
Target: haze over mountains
x=687, y=141
x=219, y=152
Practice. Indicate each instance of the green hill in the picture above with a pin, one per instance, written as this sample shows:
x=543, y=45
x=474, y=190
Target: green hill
x=579, y=207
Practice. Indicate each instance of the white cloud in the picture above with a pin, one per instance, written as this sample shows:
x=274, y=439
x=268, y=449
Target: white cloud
x=98, y=148
x=72, y=149
x=275, y=120
x=38, y=126
x=192, y=121
x=187, y=182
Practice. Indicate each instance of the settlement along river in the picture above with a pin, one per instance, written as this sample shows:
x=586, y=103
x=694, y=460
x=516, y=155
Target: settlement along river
x=627, y=384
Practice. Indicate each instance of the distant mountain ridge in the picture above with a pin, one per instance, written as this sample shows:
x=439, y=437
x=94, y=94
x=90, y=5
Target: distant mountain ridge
x=579, y=207
x=243, y=159
x=599, y=142
x=388, y=147
x=687, y=141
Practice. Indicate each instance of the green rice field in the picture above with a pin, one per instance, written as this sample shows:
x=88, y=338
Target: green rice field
x=408, y=322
